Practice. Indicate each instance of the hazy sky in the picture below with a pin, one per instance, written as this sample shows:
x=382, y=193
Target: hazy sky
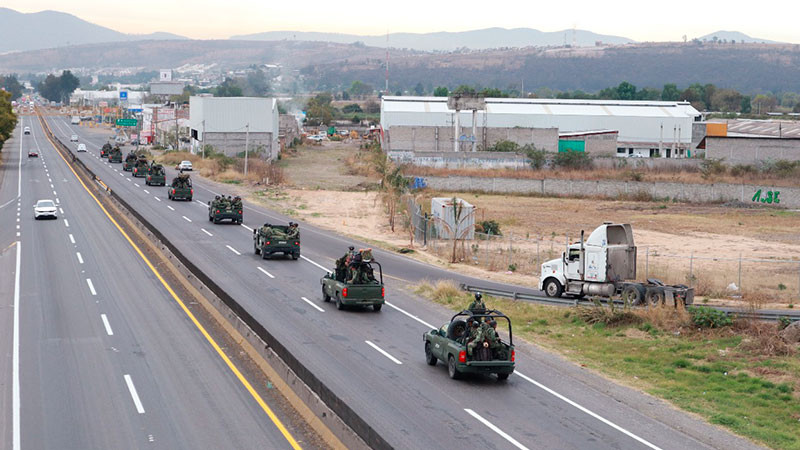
x=214, y=19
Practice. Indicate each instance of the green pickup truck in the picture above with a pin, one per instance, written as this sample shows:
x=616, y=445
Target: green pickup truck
x=115, y=156
x=130, y=161
x=105, y=150
x=271, y=239
x=477, y=352
x=353, y=283
x=156, y=175
x=223, y=209
x=180, y=188
x=141, y=167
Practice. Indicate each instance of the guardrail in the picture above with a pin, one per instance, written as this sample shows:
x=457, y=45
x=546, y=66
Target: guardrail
x=771, y=315
x=333, y=401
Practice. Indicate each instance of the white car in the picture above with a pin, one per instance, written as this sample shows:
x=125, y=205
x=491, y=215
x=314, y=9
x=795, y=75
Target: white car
x=44, y=208
x=73, y=138
x=26, y=130
x=316, y=137
x=184, y=165
x=81, y=147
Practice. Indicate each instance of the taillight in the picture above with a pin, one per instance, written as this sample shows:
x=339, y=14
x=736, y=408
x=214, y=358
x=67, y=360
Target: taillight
x=240, y=212
x=191, y=191
x=296, y=243
x=267, y=242
x=513, y=355
x=344, y=292
x=383, y=292
x=173, y=191
x=462, y=356
x=217, y=211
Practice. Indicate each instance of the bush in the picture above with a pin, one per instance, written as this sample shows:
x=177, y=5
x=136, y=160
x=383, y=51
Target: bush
x=572, y=160
x=712, y=167
x=705, y=317
x=504, y=146
x=537, y=157
x=743, y=169
x=488, y=227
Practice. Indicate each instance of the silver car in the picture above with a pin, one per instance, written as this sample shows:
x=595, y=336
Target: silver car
x=45, y=208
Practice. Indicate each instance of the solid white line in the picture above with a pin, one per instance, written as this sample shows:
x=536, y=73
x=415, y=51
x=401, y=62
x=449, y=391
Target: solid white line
x=384, y=352
x=15, y=356
x=186, y=219
x=318, y=265
x=315, y=306
x=91, y=286
x=411, y=315
x=71, y=239
x=233, y=249
x=170, y=207
x=80, y=258
x=66, y=223
x=146, y=191
x=157, y=198
x=266, y=273
x=249, y=229
x=134, y=395
x=492, y=427
x=591, y=413
x=107, y=325
x=206, y=232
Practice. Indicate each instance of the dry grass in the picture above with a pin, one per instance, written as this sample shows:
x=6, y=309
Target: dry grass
x=665, y=317
x=762, y=338
x=228, y=169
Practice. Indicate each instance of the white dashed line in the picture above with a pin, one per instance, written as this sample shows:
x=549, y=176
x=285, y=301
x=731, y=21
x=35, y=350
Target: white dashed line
x=91, y=286
x=71, y=239
x=55, y=193
x=107, y=325
x=315, y=306
x=233, y=250
x=411, y=315
x=384, y=353
x=158, y=199
x=186, y=219
x=136, y=184
x=146, y=191
x=492, y=427
x=266, y=273
x=198, y=201
x=250, y=229
x=170, y=207
x=80, y=258
x=62, y=210
x=134, y=395
x=206, y=232
x=66, y=223
x=318, y=265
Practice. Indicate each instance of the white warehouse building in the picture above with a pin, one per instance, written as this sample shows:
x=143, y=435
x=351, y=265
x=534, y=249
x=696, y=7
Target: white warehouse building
x=427, y=124
x=229, y=124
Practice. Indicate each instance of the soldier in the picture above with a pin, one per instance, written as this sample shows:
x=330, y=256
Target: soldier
x=474, y=334
x=215, y=203
x=237, y=203
x=293, y=232
x=498, y=351
x=477, y=306
x=266, y=230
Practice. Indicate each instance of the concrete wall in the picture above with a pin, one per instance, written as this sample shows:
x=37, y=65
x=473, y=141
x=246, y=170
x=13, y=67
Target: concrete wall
x=288, y=128
x=648, y=163
x=233, y=143
x=788, y=197
x=604, y=144
x=737, y=150
x=452, y=160
x=440, y=139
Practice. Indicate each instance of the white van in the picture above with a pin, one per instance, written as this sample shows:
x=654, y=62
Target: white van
x=76, y=120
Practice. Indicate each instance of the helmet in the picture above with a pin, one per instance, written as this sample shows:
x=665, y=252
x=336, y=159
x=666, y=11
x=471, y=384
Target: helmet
x=351, y=248
x=478, y=296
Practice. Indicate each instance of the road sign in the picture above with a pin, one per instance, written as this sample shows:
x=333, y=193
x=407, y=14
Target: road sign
x=135, y=109
x=127, y=122
x=123, y=95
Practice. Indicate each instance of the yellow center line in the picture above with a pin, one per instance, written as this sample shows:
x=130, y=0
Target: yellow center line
x=231, y=365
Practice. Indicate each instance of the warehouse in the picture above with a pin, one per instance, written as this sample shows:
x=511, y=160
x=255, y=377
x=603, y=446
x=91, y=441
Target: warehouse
x=645, y=128
x=231, y=124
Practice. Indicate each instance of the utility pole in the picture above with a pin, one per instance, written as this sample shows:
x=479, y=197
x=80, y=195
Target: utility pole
x=175, y=108
x=203, y=141
x=246, y=146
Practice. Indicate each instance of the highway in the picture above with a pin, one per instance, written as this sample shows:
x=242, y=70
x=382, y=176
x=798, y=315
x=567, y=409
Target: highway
x=375, y=361
x=100, y=355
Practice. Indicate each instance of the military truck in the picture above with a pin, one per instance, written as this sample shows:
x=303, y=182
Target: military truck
x=115, y=156
x=156, y=175
x=180, y=188
x=270, y=239
x=105, y=150
x=130, y=161
x=141, y=167
x=353, y=281
x=222, y=208
x=466, y=352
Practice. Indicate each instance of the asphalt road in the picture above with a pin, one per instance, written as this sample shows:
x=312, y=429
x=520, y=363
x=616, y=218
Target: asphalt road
x=106, y=358
x=375, y=361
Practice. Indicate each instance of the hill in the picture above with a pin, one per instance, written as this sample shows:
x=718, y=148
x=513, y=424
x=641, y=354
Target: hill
x=449, y=41
x=50, y=29
x=735, y=36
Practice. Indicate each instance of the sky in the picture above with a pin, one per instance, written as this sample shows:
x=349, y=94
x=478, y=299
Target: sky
x=637, y=20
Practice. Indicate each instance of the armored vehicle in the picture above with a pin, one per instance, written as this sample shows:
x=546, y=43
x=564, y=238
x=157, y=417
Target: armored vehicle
x=270, y=239
x=467, y=345
x=353, y=282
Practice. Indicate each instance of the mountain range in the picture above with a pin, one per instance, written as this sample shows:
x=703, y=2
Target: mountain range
x=735, y=36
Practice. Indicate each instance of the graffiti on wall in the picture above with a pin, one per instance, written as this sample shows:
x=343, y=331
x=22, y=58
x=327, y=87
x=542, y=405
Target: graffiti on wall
x=770, y=197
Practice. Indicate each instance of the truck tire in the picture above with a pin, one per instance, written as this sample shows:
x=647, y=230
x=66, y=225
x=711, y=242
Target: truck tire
x=325, y=297
x=377, y=308
x=502, y=376
x=256, y=250
x=339, y=304
x=264, y=254
x=655, y=297
x=295, y=256
x=632, y=295
x=452, y=370
x=552, y=288
x=430, y=358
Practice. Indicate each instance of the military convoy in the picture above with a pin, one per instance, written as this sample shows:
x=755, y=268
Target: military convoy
x=115, y=155
x=353, y=281
x=270, y=239
x=180, y=188
x=130, y=161
x=469, y=344
x=222, y=208
x=141, y=167
x=105, y=150
x=156, y=175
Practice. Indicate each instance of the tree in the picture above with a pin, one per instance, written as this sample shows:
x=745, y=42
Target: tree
x=360, y=89
x=229, y=88
x=464, y=89
x=708, y=93
x=441, y=91
x=68, y=83
x=626, y=91
x=745, y=107
x=352, y=108
x=726, y=100
x=419, y=89
x=11, y=85
x=670, y=93
x=764, y=103
x=648, y=94
x=58, y=89
x=319, y=109
x=8, y=120
x=256, y=84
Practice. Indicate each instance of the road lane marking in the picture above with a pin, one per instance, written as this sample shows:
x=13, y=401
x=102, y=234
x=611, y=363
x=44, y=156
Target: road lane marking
x=71, y=239
x=587, y=411
x=186, y=219
x=91, y=286
x=136, y=184
x=206, y=232
x=170, y=207
x=312, y=262
x=58, y=201
x=80, y=258
x=146, y=191
x=233, y=250
x=492, y=427
x=107, y=325
x=312, y=304
x=55, y=193
x=15, y=355
x=134, y=394
x=411, y=315
x=253, y=393
x=384, y=353
x=157, y=198
x=66, y=223
x=250, y=229
x=266, y=273
x=51, y=186
x=62, y=210
x=198, y=201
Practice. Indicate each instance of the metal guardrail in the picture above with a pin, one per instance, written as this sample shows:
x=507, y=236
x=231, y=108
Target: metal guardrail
x=770, y=315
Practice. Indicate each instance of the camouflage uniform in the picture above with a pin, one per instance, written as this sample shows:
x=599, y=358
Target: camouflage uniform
x=472, y=340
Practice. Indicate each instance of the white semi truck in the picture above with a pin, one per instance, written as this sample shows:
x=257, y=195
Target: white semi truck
x=604, y=265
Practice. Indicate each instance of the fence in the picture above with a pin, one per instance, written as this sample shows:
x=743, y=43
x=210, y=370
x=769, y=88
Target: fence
x=759, y=279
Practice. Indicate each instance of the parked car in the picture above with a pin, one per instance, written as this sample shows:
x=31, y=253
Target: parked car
x=184, y=165
x=316, y=137
x=81, y=147
x=44, y=208
x=73, y=138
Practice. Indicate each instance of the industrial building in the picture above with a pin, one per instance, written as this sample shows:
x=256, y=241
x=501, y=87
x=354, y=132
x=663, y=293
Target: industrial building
x=750, y=149
x=231, y=124
x=607, y=127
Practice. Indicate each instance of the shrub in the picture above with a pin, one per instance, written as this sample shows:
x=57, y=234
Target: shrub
x=504, y=146
x=705, y=317
x=743, y=169
x=572, y=160
x=606, y=315
x=712, y=167
x=488, y=227
x=538, y=158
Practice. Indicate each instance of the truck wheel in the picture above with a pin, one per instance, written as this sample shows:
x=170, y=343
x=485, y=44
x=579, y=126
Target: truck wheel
x=655, y=297
x=377, y=308
x=502, y=376
x=552, y=288
x=339, y=304
x=325, y=297
x=295, y=256
x=451, y=368
x=264, y=254
x=256, y=250
x=632, y=295
x=429, y=356
x=216, y=221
